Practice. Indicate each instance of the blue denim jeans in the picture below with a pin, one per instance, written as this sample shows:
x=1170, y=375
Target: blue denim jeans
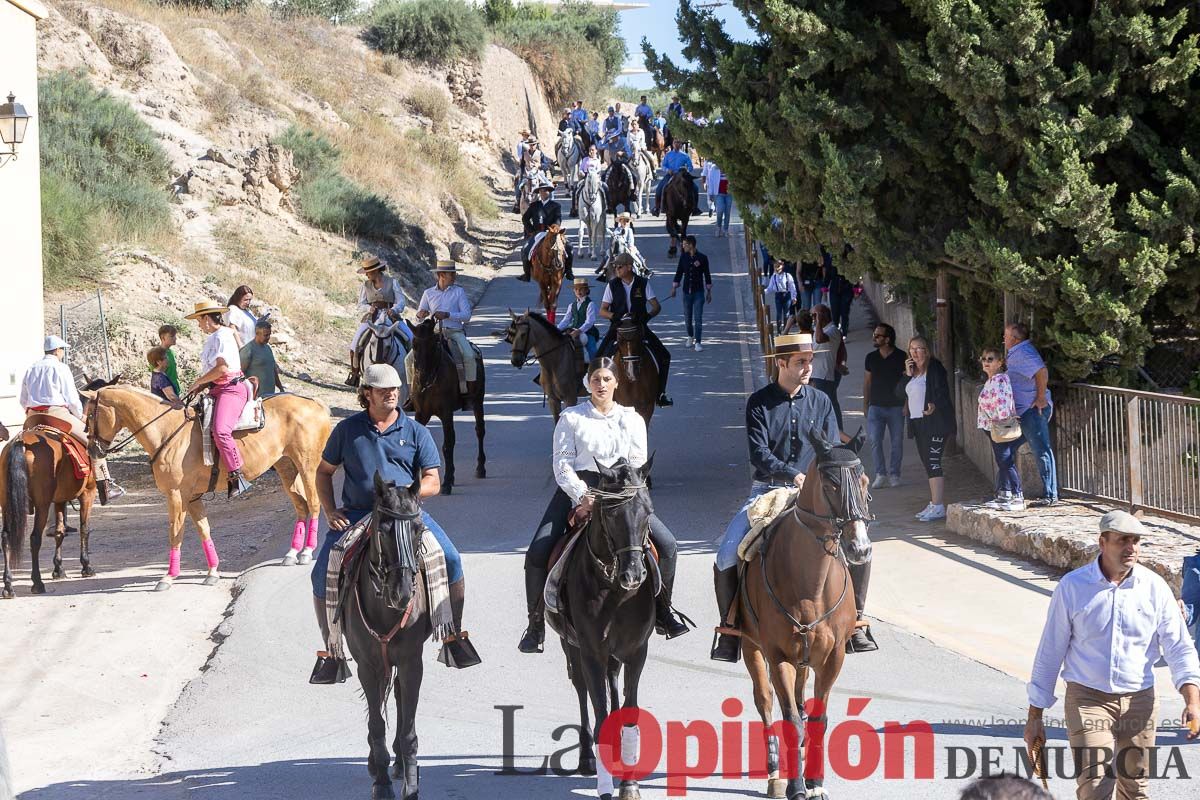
x=693, y=313
x=454, y=570
x=1008, y=479
x=782, y=299
x=886, y=423
x=808, y=297
x=739, y=526
x=724, y=211
x=1035, y=426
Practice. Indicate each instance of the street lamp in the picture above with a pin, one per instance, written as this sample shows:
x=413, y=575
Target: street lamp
x=13, y=122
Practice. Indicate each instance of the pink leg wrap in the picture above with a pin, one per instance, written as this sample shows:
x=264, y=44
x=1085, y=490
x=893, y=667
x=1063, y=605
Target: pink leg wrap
x=173, y=562
x=311, y=542
x=298, y=535
x=210, y=553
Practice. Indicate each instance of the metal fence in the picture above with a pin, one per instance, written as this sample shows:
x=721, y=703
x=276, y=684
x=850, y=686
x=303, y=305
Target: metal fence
x=85, y=330
x=1139, y=449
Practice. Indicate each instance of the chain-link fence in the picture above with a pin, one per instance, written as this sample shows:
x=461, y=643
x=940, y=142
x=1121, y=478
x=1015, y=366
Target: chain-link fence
x=85, y=330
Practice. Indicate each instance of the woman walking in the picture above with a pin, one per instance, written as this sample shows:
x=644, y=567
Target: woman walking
x=997, y=417
x=930, y=411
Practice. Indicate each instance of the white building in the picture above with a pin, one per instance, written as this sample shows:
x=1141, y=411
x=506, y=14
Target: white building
x=20, y=209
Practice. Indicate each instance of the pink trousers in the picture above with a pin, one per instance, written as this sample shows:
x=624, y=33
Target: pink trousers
x=228, y=402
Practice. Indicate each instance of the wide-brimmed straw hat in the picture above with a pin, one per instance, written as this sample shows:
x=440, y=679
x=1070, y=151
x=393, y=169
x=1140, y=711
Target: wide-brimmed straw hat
x=446, y=266
x=370, y=264
x=624, y=215
x=207, y=307
x=582, y=282
x=791, y=343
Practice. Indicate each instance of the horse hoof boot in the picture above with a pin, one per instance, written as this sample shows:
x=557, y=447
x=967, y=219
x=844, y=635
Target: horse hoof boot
x=291, y=559
x=382, y=791
x=305, y=556
x=163, y=585
x=211, y=580
x=776, y=788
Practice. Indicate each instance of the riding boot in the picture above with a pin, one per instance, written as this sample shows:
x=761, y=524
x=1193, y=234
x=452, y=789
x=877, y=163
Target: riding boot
x=237, y=484
x=726, y=646
x=526, y=267
x=667, y=621
x=353, y=377
x=457, y=650
x=535, y=634
x=328, y=669
x=861, y=641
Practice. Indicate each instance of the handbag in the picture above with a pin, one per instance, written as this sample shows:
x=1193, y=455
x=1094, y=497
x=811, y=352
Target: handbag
x=1006, y=430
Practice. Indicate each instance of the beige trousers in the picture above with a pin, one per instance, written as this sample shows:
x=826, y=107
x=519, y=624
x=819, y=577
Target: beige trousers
x=77, y=430
x=1110, y=736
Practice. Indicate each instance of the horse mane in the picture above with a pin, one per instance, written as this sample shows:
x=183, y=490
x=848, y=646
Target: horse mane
x=546, y=324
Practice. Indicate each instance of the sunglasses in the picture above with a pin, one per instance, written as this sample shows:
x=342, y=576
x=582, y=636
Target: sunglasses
x=987, y=359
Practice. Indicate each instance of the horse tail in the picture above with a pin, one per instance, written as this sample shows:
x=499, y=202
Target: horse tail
x=16, y=499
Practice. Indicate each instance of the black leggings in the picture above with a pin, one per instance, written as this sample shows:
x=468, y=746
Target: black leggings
x=929, y=447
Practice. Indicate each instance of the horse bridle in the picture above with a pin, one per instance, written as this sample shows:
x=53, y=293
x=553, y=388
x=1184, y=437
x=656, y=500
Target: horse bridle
x=524, y=355
x=103, y=448
x=614, y=499
x=406, y=554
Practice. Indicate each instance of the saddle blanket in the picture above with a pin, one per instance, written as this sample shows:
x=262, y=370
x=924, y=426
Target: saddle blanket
x=76, y=452
x=252, y=418
x=764, y=510
x=433, y=565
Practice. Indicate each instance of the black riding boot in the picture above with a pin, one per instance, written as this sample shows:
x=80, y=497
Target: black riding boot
x=726, y=646
x=535, y=634
x=457, y=650
x=327, y=669
x=861, y=641
x=667, y=621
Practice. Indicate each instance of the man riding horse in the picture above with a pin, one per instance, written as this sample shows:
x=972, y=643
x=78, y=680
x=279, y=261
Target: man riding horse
x=448, y=304
x=780, y=420
x=632, y=297
x=537, y=219
x=676, y=161
x=380, y=295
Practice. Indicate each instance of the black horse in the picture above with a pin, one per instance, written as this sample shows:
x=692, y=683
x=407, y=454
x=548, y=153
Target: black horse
x=622, y=192
x=610, y=603
x=386, y=625
x=678, y=206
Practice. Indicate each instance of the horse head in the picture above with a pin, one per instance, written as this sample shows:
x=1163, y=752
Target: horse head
x=425, y=345
x=392, y=557
x=838, y=493
x=518, y=336
x=100, y=420
x=622, y=518
x=629, y=348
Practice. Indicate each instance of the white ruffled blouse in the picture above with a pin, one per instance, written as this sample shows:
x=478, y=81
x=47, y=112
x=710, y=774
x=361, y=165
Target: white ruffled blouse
x=584, y=436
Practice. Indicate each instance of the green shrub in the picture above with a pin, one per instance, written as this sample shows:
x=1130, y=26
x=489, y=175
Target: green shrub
x=311, y=151
x=336, y=11
x=430, y=101
x=70, y=245
x=430, y=31
x=228, y=6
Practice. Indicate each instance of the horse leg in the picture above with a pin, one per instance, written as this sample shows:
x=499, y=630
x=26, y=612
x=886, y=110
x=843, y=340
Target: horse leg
x=35, y=547
x=196, y=511
x=447, y=419
x=60, y=533
x=826, y=675
x=595, y=680
x=378, y=757
x=764, y=701
x=587, y=755
x=407, y=688
x=8, y=590
x=480, y=429
x=783, y=678
x=629, y=734
x=85, y=514
x=287, y=478
x=175, y=519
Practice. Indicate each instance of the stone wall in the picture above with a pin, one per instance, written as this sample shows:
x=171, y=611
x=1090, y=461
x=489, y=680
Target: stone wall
x=890, y=309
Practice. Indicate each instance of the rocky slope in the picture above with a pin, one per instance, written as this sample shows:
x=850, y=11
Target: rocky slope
x=217, y=88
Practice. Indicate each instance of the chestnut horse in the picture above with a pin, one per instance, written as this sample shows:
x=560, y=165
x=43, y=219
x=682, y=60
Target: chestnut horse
x=549, y=262
x=292, y=441
x=637, y=381
x=36, y=473
x=798, y=609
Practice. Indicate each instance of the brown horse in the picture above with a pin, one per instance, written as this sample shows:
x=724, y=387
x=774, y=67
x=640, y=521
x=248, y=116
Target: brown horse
x=678, y=207
x=434, y=393
x=292, y=440
x=549, y=262
x=36, y=473
x=637, y=382
x=798, y=608
x=557, y=354
x=656, y=142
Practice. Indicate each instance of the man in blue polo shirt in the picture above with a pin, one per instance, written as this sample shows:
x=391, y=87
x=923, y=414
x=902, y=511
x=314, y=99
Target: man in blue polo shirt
x=1029, y=378
x=672, y=162
x=380, y=438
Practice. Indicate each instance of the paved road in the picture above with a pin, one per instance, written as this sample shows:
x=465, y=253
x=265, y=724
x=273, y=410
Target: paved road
x=250, y=726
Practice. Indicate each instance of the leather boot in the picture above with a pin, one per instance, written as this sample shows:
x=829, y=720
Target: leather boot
x=861, y=641
x=667, y=621
x=726, y=646
x=457, y=650
x=328, y=669
x=535, y=635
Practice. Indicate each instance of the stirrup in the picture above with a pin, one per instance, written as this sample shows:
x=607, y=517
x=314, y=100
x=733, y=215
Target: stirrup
x=458, y=652
x=329, y=670
x=680, y=623
x=237, y=484
x=725, y=646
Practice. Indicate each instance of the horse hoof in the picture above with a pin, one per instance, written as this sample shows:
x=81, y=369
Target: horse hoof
x=162, y=586
x=290, y=560
x=58, y=573
x=481, y=473
x=7, y=594
x=305, y=557
x=447, y=488
x=210, y=580
x=382, y=791
x=587, y=766
x=630, y=793
x=776, y=788
x=38, y=588
x=87, y=572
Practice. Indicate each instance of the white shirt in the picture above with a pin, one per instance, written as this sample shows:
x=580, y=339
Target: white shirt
x=49, y=382
x=825, y=360
x=221, y=344
x=624, y=234
x=916, y=396
x=637, y=141
x=243, y=322
x=628, y=288
x=453, y=300
x=1107, y=637
x=783, y=282
x=584, y=436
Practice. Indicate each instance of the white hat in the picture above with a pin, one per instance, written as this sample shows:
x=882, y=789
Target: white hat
x=53, y=343
x=381, y=376
x=1123, y=522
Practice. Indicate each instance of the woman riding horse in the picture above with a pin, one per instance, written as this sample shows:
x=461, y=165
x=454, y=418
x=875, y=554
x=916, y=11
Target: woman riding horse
x=598, y=431
x=380, y=293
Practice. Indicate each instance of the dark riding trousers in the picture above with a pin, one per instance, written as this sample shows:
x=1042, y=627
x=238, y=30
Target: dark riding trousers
x=537, y=218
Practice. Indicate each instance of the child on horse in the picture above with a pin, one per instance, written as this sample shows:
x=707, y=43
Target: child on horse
x=580, y=320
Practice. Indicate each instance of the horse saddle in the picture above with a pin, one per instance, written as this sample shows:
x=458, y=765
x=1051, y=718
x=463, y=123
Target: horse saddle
x=43, y=425
x=252, y=418
x=763, y=511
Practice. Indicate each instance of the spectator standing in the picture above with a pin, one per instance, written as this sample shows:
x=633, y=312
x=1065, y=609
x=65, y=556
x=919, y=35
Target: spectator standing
x=830, y=359
x=258, y=361
x=693, y=276
x=1031, y=393
x=161, y=384
x=781, y=286
x=724, y=205
x=996, y=406
x=239, y=317
x=809, y=283
x=711, y=175
x=1107, y=625
x=882, y=405
x=841, y=296
x=930, y=412
x=167, y=335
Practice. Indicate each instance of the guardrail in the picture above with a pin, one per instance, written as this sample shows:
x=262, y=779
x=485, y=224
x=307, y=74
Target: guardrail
x=1139, y=449
x=762, y=310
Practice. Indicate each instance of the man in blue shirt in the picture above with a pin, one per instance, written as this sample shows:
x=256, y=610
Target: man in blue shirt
x=612, y=132
x=593, y=128
x=643, y=110
x=672, y=162
x=579, y=115
x=675, y=108
x=1029, y=378
x=380, y=438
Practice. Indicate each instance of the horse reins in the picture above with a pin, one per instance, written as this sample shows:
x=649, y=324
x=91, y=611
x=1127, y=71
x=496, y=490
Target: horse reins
x=620, y=498
x=107, y=448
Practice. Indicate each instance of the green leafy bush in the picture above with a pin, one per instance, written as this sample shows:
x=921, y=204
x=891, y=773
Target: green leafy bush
x=70, y=244
x=337, y=11
x=231, y=6
x=430, y=31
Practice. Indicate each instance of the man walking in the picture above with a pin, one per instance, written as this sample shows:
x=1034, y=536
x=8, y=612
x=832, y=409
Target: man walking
x=1029, y=378
x=693, y=275
x=1106, y=626
x=883, y=408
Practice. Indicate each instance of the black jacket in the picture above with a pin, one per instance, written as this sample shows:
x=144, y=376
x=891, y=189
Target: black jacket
x=692, y=273
x=942, y=421
x=540, y=216
x=636, y=308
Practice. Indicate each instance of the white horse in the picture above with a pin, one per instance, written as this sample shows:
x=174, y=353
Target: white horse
x=531, y=178
x=591, y=214
x=567, y=154
x=643, y=180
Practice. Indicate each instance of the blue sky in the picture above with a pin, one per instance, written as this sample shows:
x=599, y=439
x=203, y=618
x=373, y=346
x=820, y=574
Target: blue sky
x=657, y=23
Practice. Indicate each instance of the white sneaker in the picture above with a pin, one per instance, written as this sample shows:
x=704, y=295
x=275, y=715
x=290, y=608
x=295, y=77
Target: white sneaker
x=879, y=482
x=690, y=342
x=997, y=502
x=893, y=481
x=934, y=513
x=699, y=349
x=1014, y=504
x=921, y=514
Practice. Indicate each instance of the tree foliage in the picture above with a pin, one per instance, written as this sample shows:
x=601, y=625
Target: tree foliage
x=431, y=31
x=1042, y=147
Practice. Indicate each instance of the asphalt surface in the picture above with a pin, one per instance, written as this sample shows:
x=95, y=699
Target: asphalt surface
x=250, y=726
